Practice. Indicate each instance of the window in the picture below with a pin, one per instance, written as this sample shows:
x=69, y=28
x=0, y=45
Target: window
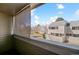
x=53, y=27
x=68, y=24
x=75, y=28
x=61, y=34
x=69, y=34
x=75, y=35
x=50, y=17
x=52, y=33
x=57, y=34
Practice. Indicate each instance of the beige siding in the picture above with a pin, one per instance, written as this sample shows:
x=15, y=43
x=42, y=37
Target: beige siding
x=59, y=30
x=74, y=40
x=74, y=23
x=56, y=38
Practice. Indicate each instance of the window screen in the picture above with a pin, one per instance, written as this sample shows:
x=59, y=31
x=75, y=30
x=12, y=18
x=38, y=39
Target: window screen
x=22, y=23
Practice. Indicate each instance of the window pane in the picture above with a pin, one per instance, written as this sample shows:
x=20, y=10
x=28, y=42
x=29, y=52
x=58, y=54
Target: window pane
x=56, y=22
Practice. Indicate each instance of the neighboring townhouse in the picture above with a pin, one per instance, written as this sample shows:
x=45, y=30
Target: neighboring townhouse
x=62, y=31
x=74, y=37
x=57, y=30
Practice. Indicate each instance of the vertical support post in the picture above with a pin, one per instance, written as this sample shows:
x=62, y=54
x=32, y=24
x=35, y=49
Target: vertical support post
x=13, y=25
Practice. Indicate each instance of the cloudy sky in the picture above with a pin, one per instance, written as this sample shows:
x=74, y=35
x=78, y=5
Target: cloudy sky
x=47, y=13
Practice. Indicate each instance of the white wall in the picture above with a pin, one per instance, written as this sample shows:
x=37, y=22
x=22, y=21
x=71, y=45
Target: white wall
x=5, y=31
x=5, y=24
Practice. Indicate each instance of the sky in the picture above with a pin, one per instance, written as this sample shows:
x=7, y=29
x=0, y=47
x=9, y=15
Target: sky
x=49, y=12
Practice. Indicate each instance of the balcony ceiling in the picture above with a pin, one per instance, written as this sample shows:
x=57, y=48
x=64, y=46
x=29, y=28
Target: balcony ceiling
x=11, y=8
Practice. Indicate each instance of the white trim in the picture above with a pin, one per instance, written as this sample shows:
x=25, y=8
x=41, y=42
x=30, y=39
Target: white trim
x=23, y=9
x=13, y=25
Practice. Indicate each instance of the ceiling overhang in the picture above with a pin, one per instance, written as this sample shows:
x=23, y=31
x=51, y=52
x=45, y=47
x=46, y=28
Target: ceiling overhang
x=14, y=8
x=11, y=8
